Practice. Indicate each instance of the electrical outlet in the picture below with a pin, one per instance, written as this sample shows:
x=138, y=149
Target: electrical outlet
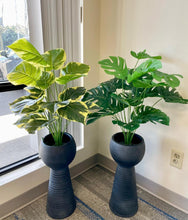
x=176, y=159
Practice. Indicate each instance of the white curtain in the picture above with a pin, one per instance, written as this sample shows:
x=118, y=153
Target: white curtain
x=61, y=25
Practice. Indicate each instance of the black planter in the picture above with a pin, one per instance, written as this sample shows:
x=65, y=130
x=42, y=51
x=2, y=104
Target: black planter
x=124, y=201
x=61, y=202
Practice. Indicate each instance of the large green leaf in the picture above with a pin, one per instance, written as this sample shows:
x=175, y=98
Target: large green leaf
x=92, y=117
x=74, y=68
x=35, y=93
x=132, y=126
x=64, y=79
x=50, y=106
x=143, y=55
x=26, y=51
x=109, y=86
x=35, y=124
x=115, y=66
x=32, y=122
x=53, y=106
x=167, y=93
x=144, y=83
x=73, y=93
x=25, y=101
x=31, y=109
x=45, y=80
x=25, y=74
x=72, y=71
x=102, y=97
x=128, y=100
x=170, y=79
x=113, y=84
x=55, y=58
x=143, y=114
x=74, y=111
x=147, y=66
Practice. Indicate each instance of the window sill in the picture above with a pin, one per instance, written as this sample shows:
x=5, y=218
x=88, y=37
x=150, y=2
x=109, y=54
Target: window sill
x=20, y=172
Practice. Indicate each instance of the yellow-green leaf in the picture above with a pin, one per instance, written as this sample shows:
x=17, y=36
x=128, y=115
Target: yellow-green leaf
x=26, y=51
x=74, y=68
x=45, y=80
x=73, y=93
x=25, y=74
x=74, y=111
x=64, y=79
x=55, y=58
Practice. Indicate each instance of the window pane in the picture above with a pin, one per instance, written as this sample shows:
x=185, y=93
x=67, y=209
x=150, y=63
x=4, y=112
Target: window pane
x=16, y=145
x=13, y=25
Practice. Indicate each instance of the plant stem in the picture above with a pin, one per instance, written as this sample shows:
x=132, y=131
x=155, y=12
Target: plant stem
x=157, y=102
x=136, y=64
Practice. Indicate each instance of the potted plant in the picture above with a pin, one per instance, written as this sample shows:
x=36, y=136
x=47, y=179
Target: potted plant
x=123, y=98
x=48, y=102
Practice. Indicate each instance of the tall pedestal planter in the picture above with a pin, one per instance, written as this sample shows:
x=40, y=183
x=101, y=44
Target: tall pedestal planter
x=61, y=202
x=124, y=201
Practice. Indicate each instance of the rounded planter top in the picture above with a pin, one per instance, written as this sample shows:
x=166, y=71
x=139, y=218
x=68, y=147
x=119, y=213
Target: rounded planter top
x=57, y=157
x=127, y=155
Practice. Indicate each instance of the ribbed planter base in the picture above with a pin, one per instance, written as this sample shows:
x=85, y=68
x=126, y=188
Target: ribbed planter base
x=60, y=200
x=124, y=200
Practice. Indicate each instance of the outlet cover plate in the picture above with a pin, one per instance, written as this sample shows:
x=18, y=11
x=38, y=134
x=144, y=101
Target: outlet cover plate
x=176, y=159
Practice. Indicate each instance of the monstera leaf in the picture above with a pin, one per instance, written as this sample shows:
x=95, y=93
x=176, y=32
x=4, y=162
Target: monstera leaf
x=141, y=115
x=143, y=55
x=132, y=126
x=170, y=79
x=167, y=93
x=115, y=66
x=92, y=117
x=147, y=66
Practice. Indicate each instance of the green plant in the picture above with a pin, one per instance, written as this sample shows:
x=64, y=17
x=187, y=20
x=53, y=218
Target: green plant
x=49, y=99
x=123, y=96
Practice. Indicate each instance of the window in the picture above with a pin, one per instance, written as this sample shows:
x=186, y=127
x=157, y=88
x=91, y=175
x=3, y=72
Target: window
x=16, y=146
x=13, y=25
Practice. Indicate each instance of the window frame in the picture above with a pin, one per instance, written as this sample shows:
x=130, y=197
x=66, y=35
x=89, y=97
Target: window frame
x=7, y=86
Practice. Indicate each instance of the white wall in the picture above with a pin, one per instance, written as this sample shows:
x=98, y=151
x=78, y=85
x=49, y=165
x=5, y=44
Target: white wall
x=91, y=54
x=161, y=28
